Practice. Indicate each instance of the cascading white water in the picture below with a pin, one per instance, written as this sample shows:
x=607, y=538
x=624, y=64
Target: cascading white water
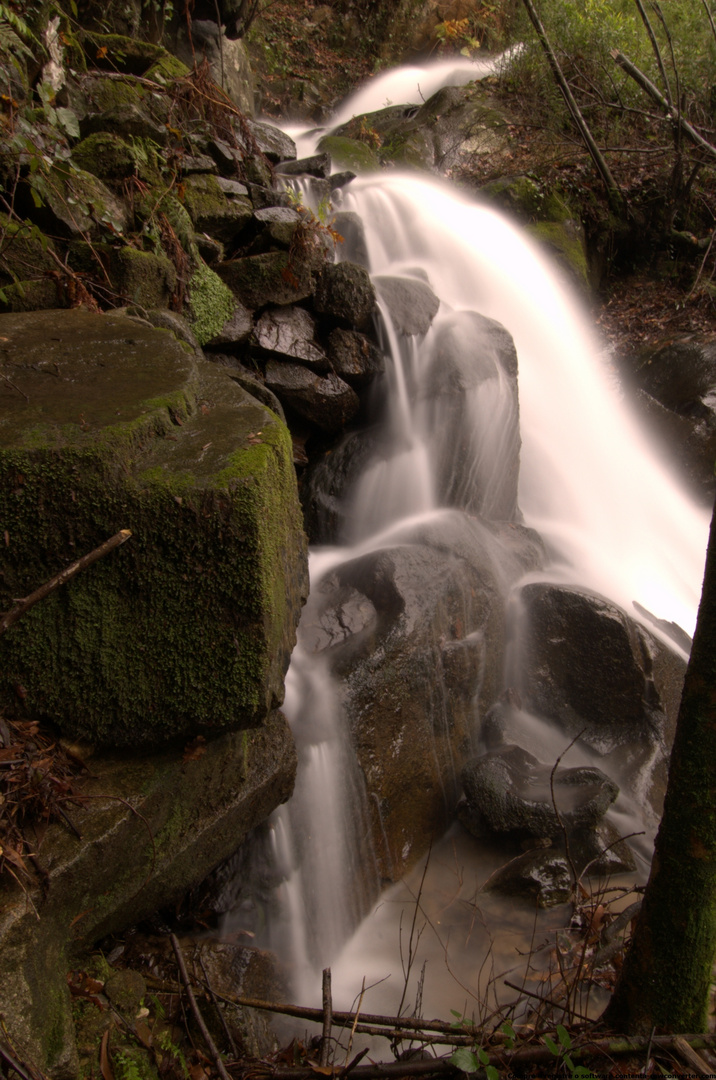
x=612, y=516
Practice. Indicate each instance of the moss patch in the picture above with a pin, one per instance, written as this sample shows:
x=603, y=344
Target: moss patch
x=349, y=153
x=189, y=626
x=211, y=301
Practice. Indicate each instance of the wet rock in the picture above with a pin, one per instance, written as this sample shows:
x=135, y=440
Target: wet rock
x=339, y=180
x=325, y=401
x=541, y=876
x=412, y=304
x=290, y=332
x=236, y=330
x=512, y=792
x=344, y=290
x=354, y=357
x=417, y=671
x=271, y=141
x=601, y=675
x=471, y=385
x=319, y=165
x=350, y=226
x=327, y=484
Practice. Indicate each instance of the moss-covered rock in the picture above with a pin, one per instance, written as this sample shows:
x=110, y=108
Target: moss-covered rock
x=188, y=627
x=153, y=826
x=105, y=155
x=211, y=211
x=25, y=253
x=76, y=203
x=30, y=296
x=212, y=303
x=349, y=153
x=144, y=278
x=565, y=240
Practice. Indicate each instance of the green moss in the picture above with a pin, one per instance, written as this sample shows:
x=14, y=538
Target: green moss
x=349, y=153
x=25, y=251
x=125, y=54
x=30, y=296
x=189, y=626
x=565, y=241
x=211, y=301
x=167, y=68
x=146, y=279
x=105, y=155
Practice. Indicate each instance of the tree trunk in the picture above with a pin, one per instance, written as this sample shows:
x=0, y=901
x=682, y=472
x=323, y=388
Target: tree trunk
x=667, y=971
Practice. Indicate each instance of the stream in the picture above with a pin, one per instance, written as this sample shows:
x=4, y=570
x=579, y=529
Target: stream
x=611, y=515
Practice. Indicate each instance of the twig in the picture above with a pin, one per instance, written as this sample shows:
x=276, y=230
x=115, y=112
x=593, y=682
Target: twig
x=12, y=1064
x=219, y=1010
x=21, y=606
x=693, y=1060
x=563, y=827
x=353, y=1029
x=544, y=1000
x=673, y=113
x=344, y=1019
x=327, y=1017
x=211, y=1045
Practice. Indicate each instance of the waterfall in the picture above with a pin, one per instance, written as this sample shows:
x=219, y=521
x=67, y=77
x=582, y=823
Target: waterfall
x=611, y=515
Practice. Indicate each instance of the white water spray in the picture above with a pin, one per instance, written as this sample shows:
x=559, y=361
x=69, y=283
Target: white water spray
x=612, y=517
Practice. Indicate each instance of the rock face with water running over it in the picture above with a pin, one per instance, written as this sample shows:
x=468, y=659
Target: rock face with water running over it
x=415, y=631
x=602, y=676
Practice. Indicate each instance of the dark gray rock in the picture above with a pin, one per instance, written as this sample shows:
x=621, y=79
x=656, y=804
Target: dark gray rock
x=325, y=401
x=542, y=876
x=341, y=179
x=511, y=791
x=599, y=674
x=236, y=330
x=319, y=165
x=424, y=656
x=412, y=304
x=675, y=384
x=277, y=226
x=345, y=292
x=354, y=356
x=327, y=484
x=275, y=144
x=290, y=332
x=354, y=248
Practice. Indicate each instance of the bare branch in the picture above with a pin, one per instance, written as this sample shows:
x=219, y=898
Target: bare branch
x=64, y=576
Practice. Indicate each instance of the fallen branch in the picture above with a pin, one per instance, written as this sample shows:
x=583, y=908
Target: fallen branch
x=508, y=1060
x=211, y=1045
x=347, y=1019
x=672, y=112
x=21, y=606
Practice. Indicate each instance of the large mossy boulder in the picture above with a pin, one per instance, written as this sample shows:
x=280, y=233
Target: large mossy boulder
x=105, y=424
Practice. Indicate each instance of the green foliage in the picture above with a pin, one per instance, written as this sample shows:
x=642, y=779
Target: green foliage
x=583, y=34
x=561, y=1052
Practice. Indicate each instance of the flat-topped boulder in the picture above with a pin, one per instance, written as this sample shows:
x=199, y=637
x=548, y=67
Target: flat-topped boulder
x=107, y=423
